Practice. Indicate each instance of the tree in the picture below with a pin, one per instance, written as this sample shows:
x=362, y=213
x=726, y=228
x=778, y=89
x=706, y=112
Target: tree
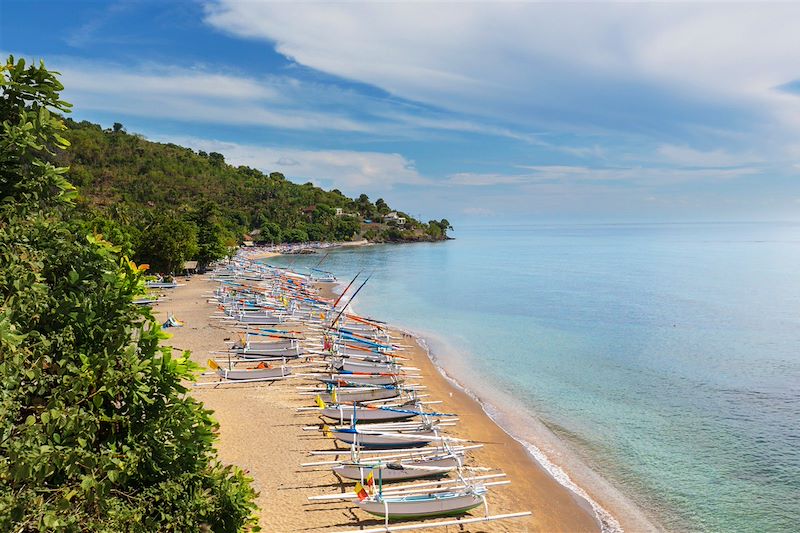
x=167, y=243
x=117, y=127
x=295, y=235
x=213, y=240
x=96, y=430
x=434, y=230
x=270, y=232
x=364, y=206
x=381, y=207
x=345, y=228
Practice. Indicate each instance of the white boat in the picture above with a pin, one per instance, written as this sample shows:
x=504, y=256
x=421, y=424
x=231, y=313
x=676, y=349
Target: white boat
x=359, y=379
x=288, y=348
x=344, y=414
x=259, y=319
x=405, y=438
x=412, y=506
x=264, y=345
x=367, y=357
x=351, y=365
x=260, y=373
x=412, y=468
x=359, y=394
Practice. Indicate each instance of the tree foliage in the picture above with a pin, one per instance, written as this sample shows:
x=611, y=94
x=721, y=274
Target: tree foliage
x=133, y=182
x=96, y=430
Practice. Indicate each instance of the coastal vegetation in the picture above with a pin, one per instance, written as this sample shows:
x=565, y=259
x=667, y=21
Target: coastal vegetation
x=96, y=429
x=164, y=204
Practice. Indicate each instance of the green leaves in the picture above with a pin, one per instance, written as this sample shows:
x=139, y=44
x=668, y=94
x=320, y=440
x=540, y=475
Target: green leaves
x=96, y=432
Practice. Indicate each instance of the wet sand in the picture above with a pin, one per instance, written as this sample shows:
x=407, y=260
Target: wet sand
x=261, y=431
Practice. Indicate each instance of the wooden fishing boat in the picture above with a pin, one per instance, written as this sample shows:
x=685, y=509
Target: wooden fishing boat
x=351, y=365
x=288, y=348
x=283, y=353
x=403, y=438
x=258, y=319
x=359, y=379
x=411, y=506
x=261, y=372
x=404, y=469
x=344, y=414
x=264, y=345
x=360, y=394
x=367, y=357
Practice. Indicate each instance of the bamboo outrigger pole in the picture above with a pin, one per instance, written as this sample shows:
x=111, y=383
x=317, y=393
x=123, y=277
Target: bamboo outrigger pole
x=348, y=303
x=322, y=260
x=456, y=522
x=346, y=289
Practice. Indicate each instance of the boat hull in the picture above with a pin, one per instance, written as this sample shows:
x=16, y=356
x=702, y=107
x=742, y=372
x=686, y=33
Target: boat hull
x=351, y=379
x=255, y=373
x=264, y=345
x=363, y=395
x=441, y=504
x=398, y=472
x=348, y=365
x=344, y=413
x=278, y=352
x=415, y=439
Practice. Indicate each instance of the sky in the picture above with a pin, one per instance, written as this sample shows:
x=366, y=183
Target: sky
x=485, y=112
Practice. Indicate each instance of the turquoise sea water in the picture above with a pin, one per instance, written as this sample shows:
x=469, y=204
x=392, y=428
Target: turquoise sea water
x=667, y=356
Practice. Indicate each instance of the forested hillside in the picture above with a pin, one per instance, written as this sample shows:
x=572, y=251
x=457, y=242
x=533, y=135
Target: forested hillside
x=164, y=203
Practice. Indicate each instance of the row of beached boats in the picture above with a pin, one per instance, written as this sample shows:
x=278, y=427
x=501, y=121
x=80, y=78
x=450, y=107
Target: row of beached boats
x=391, y=444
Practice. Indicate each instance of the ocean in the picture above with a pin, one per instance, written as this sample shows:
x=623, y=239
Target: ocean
x=665, y=357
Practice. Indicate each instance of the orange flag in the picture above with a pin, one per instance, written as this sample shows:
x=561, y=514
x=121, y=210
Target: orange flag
x=360, y=491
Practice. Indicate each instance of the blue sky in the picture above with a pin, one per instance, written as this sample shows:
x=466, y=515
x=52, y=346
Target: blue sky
x=479, y=112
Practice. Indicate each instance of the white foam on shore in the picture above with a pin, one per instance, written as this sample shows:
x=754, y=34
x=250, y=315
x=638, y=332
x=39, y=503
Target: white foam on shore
x=606, y=521
x=608, y=524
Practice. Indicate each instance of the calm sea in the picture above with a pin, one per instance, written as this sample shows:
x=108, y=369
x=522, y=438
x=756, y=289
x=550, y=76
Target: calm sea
x=666, y=355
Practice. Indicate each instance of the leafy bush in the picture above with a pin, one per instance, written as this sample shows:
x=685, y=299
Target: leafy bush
x=96, y=430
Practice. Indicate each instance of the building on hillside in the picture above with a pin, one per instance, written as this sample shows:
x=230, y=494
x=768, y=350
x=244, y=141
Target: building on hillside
x=309, y=212
x=341, y=213
x=394, y=217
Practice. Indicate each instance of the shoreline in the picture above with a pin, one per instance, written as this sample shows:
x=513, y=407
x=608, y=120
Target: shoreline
x=503, y=450
x=623, y=515
x=261, y=432
x=614, y=511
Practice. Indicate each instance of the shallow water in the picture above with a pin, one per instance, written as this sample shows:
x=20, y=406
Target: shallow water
x=667, y=355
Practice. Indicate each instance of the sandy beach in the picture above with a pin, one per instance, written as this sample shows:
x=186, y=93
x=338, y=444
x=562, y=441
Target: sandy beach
x=261, y=431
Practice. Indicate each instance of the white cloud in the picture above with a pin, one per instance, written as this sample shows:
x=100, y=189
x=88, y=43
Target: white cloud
x=477, y=179
x=105, y=79
x=689, y=157
x=548, y=175
x=574, y=67
x=196, y=95
x=350, y=171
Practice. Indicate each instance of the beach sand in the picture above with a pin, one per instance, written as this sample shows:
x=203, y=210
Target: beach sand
x=261, y=431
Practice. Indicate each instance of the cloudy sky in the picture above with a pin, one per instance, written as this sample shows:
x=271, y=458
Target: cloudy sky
x=479, y=112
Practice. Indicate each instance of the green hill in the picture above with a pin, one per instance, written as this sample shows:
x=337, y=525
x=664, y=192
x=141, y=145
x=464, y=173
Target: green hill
x=165, y=203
